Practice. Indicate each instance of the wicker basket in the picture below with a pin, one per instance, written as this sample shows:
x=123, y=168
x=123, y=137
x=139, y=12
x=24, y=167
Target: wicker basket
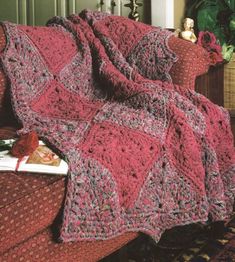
x=229, y=84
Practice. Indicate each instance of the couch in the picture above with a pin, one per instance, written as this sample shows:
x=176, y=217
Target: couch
x=31, y=204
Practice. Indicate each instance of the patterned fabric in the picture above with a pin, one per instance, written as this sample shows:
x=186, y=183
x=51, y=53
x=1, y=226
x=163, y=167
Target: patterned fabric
x=41, y=247
x=28, y=204
x=192, y=62
x=144, y=155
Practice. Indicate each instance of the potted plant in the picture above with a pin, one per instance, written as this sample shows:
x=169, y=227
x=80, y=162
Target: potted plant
x=218, y=17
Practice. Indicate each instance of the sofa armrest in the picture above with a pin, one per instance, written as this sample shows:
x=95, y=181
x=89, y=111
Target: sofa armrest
x=2, y=81
x=193, y=61
x=6, y=113
x=2, y=39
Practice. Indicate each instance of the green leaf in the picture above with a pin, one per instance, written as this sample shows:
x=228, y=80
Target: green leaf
x=221, y=39
x=193, y=6
x=207, y=18
x=205, y=13
x=231, y=4
x=6, y=144
x=227, y=51
x=5, y=147
x=232, y=24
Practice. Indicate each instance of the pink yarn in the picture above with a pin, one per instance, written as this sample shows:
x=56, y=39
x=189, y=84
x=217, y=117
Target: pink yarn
x=143, y=154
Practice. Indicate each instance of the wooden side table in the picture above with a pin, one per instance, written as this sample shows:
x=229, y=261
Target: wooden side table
x=232, y=115
x=211, y=84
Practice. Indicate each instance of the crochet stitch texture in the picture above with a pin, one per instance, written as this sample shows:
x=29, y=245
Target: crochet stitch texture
x=144, y=154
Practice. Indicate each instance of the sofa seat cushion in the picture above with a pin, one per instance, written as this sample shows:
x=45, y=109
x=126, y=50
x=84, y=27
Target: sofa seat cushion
x=28, y=202
x=41, y=247
x=29, y=206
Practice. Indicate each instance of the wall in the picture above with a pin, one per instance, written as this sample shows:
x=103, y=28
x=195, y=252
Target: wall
x=167, y=13
x=144, y=10
x=37, y=12
x=179, y=6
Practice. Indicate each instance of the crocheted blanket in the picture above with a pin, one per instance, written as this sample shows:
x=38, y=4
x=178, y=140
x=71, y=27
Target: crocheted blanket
x=144, y=154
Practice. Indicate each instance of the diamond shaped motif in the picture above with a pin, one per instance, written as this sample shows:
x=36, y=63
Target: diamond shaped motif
x=127, y=154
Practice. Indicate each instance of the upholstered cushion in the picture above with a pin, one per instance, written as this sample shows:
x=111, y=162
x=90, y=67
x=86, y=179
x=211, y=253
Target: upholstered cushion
x=28, y=202
x=193, y=61
x=41, y=247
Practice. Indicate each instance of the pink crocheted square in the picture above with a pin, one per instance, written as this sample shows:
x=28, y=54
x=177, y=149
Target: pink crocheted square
x=56, y=46
x=127, y=154
x=63, y=104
